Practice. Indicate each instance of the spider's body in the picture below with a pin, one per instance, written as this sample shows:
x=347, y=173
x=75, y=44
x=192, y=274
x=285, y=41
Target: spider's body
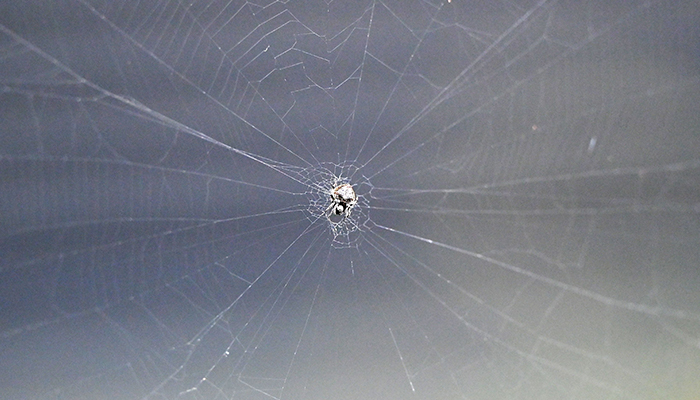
x=343, y=198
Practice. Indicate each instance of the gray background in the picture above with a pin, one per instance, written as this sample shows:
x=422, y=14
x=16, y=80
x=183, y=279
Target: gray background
x=528, y=223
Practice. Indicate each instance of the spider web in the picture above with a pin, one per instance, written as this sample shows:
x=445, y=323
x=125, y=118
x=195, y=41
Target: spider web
x=527, y=223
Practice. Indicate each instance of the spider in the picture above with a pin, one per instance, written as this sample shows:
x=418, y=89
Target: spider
x=343, y=199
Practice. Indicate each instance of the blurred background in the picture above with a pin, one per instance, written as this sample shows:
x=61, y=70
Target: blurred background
x=528, y=215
